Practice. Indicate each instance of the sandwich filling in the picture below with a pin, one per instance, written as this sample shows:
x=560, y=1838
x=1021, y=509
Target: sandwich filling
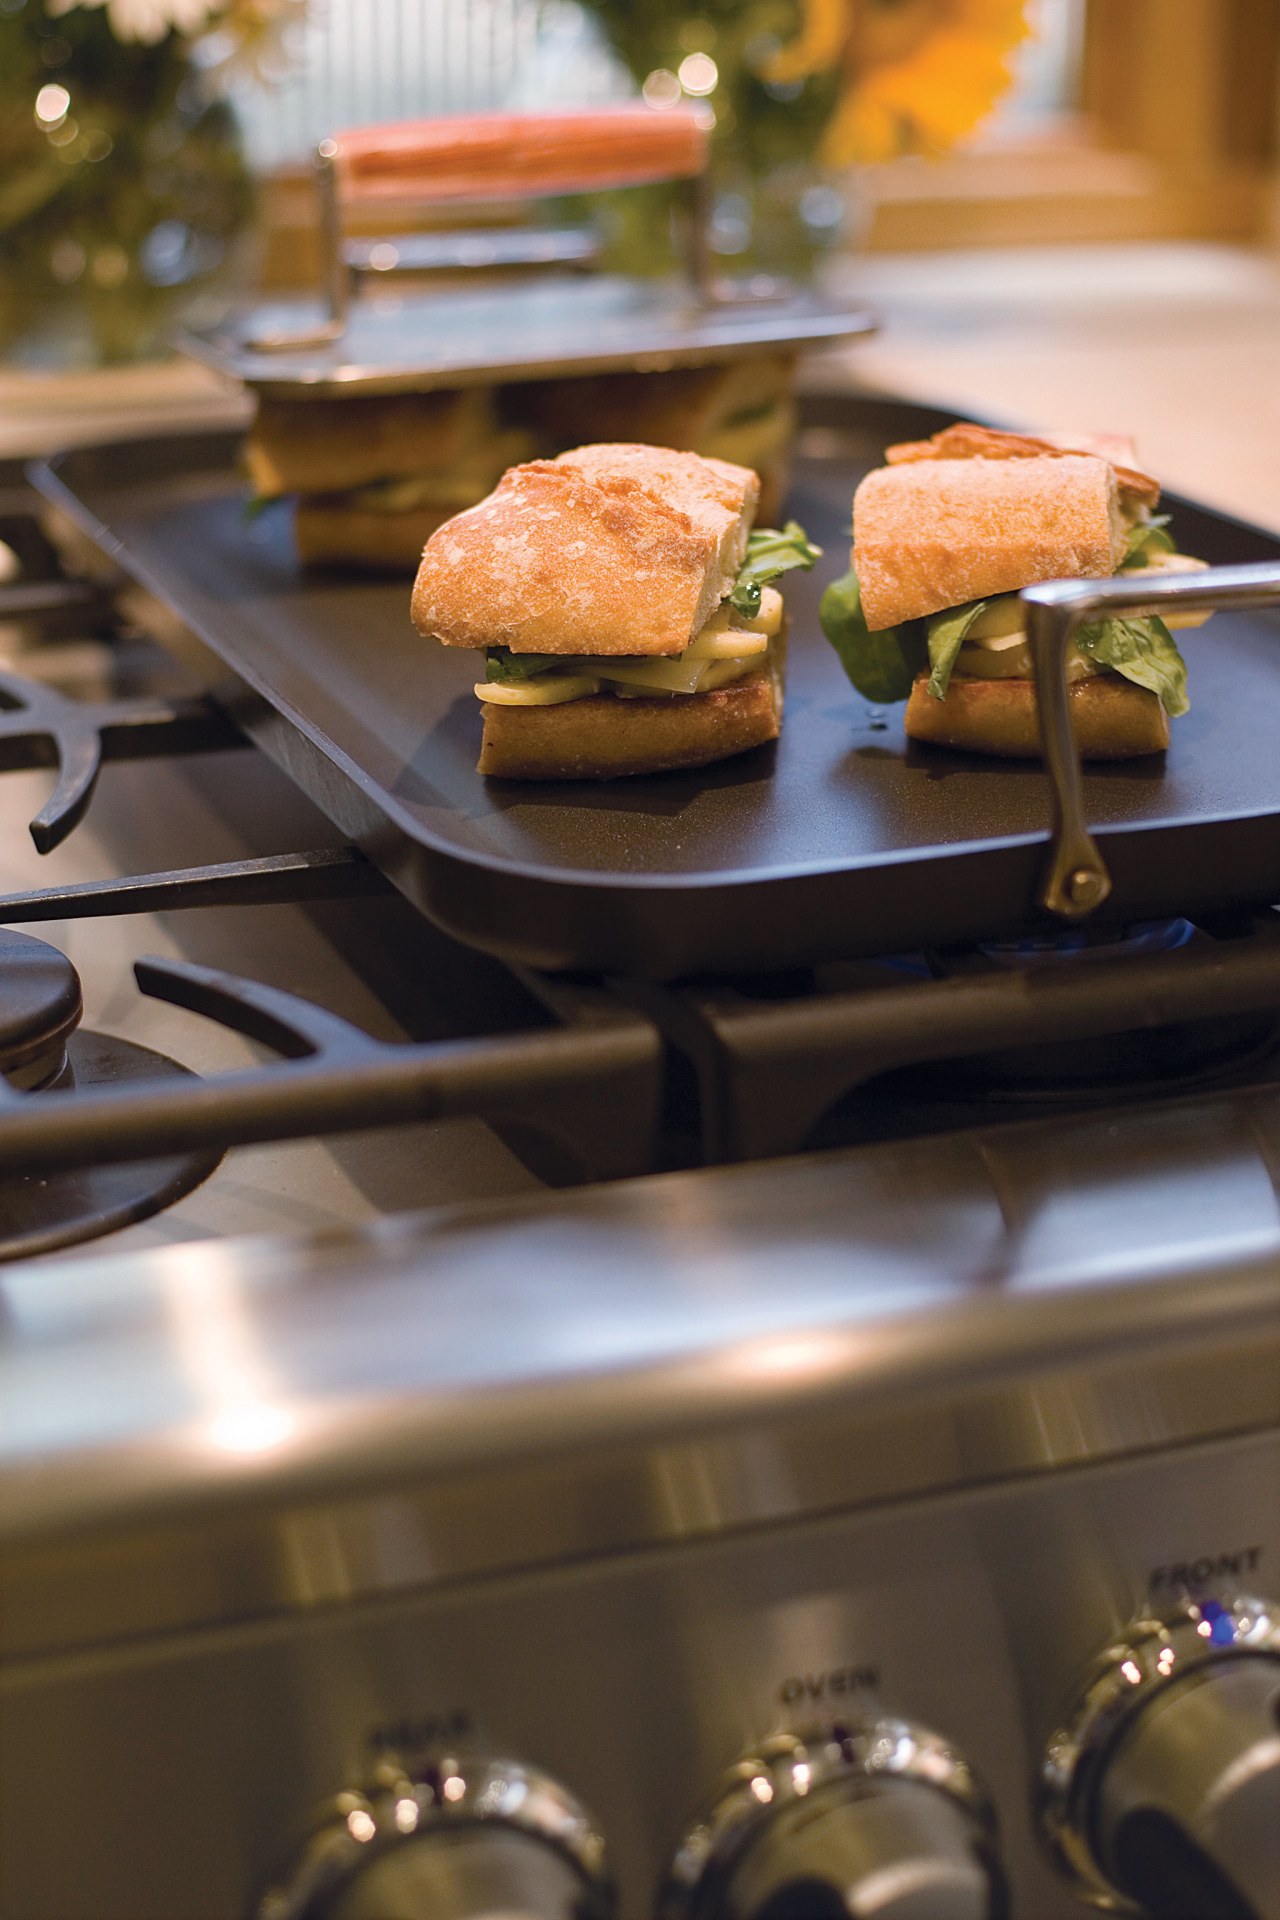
x=730, y=645
x=740, y=636
x=431, y=454
x=985, y=639
x=446, y=489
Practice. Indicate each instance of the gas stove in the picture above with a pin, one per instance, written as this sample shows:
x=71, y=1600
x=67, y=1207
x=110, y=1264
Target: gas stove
x=274, y=888
x=486, y=1443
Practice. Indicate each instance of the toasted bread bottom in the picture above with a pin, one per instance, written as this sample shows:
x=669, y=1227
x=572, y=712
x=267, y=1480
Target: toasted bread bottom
x=329, y=534
x=1112, y=719
x=603, y=737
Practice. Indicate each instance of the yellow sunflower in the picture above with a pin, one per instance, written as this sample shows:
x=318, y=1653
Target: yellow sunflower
x=917, y=74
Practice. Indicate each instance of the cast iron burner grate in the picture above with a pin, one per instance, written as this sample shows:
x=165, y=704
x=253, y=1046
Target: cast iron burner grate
x=873, y=1050
x=44, y=1053
x=1144, y=1063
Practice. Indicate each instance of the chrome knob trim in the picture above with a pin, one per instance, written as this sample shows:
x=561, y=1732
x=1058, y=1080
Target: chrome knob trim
x=400, y=1805
x=790, y=1768
x=1152, y=1653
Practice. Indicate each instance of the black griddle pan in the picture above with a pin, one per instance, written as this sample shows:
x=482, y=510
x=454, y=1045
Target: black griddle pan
x=842, y=839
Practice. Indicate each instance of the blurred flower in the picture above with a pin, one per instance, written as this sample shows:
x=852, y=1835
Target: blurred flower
x=147, y=21
x=231, y=33
x=916, y=75
x=123, y=183
x=254, y=35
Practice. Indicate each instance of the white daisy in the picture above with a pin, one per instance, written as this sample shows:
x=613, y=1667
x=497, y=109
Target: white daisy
x=146, y=20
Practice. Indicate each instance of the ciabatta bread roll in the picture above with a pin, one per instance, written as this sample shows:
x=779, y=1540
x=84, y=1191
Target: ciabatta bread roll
x=374, y=475
x=622, y=603
x=936, y=533
x=966, y=441
x=331, y=446
x=351, y=458
x=607, y=550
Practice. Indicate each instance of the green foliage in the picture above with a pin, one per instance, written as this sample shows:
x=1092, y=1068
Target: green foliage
x=882, y=665
x=770, y=554
x=1144, y=651
x=758, y=124
x=501, y=664
x=766, y=135
x=1145, y=539
x=946, y=635
x=112, y=218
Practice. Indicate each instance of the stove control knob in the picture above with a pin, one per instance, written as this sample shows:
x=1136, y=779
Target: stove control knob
x=473, y=1839
x=1162, y=1795
x=843, y=1823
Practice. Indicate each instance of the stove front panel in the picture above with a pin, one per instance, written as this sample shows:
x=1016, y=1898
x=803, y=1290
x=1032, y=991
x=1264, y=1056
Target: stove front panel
x=171, y=1778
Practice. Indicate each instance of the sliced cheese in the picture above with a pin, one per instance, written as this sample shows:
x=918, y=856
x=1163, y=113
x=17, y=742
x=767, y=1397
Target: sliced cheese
x=769, y=618
x=1173, y=563
x=680, y=675
x=744, y=628
x=722, y=672
x=999, y=643
x=998, y=629
x=724, y=649
x=1013, y=662
x=730, y=644
x=998, y=618
x=548, y=690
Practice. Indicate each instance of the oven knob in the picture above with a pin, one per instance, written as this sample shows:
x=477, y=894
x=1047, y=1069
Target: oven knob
x=465, y=1839
x=1162, y=1795
x=880, y=1819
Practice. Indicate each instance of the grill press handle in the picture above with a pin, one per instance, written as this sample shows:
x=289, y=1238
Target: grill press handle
x=517, y=155
x=481, y=156
x=1076, y=878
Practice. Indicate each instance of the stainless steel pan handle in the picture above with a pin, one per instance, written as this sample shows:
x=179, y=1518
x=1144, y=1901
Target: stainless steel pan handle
x=1076, y=877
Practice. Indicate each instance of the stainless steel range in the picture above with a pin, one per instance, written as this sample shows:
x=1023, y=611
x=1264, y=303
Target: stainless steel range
x=878, y=1523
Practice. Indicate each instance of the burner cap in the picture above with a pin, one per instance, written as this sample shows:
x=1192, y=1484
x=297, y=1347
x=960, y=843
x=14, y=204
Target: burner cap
x=40, y=1007
x=39, y=1212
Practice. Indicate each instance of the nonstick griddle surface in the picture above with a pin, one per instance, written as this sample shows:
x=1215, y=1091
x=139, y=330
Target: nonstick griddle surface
x=842, y=839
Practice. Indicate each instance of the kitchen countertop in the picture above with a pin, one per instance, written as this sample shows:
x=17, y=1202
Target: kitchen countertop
x=1176, y=343
x=42, y=412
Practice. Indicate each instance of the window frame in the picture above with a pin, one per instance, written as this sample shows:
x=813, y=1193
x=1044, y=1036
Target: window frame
x=1175, y=137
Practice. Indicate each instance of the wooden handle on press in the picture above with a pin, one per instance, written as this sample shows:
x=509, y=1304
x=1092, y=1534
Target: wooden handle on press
x=479, y=156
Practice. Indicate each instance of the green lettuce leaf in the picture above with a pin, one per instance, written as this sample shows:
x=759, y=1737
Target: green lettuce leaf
x=501, y=664
x=770, y=553
x=1144, y=651
x=946, y=632
x=1146, y=538
x=882, y=666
